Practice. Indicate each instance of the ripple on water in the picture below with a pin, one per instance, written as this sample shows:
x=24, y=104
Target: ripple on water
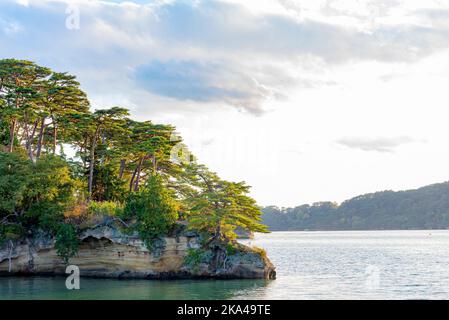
x=310, y=265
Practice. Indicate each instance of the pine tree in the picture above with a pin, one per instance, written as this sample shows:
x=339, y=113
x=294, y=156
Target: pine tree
x=219, y=206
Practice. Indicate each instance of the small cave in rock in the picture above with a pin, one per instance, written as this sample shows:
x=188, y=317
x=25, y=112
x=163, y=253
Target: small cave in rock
x=95, y=243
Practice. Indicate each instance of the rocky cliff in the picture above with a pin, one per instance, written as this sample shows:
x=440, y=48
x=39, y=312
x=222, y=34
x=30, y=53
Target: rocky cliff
x=105, y=251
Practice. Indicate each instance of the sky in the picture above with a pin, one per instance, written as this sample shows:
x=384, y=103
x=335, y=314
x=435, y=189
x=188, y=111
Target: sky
x=306, y=101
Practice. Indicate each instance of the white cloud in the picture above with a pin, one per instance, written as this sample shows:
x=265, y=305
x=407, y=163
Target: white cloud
x=23, y=2
x=247, y=46
x=378, y=144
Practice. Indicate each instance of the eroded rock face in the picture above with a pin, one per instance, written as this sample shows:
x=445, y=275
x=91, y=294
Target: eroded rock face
x=107, y=252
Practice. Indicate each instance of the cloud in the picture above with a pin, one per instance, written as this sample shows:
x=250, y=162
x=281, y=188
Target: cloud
x=207, y=142
x=203, y=51
x=379, y=144
x=231, y=28
x=202, y=82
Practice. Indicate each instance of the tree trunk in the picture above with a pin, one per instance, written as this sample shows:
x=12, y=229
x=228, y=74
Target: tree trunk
x=24, y=132
x=91, y=170
x=83, y=150
x=92, y=163
x=55, y=137
x=30, y=151
x=122, y=168
x=12, y=131
x=218, y=231
x=30, y=138
x=131, y=183
x=154, y=162
x=139, y=169
x=40, y=138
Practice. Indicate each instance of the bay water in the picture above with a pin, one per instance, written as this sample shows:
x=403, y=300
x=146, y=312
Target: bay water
x=310, y=265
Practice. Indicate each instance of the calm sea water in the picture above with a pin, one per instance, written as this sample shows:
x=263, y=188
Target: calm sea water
x=310, y=265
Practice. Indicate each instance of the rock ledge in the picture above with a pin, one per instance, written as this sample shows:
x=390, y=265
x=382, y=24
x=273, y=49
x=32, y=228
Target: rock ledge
x=107, y=252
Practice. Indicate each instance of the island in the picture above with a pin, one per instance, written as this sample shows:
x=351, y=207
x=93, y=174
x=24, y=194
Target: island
x=117, y=197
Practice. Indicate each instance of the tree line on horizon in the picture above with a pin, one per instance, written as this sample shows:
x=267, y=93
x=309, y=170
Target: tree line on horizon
x=423, y=208
x=122, y=167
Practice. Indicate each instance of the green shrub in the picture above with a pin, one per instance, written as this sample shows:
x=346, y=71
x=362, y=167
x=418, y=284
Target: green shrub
x=107, y=186
x=260, y=251
x=33, y=196
x=66, y=242
x=230, y=249
x=45, y=215
x=11, y=231
x=14, y=178
x=105, y=208
x=195, y=257
x=153, y=210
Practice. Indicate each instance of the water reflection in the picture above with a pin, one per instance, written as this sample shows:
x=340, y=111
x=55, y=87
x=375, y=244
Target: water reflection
x=54, y=288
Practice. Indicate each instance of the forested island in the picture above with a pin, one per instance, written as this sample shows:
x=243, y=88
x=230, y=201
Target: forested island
x=423, y=208
x=130, y=187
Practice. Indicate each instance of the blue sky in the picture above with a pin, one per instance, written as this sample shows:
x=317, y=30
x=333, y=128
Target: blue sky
x=292, y=96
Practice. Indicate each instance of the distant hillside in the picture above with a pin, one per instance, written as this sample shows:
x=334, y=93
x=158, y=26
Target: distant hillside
x=423, y=208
